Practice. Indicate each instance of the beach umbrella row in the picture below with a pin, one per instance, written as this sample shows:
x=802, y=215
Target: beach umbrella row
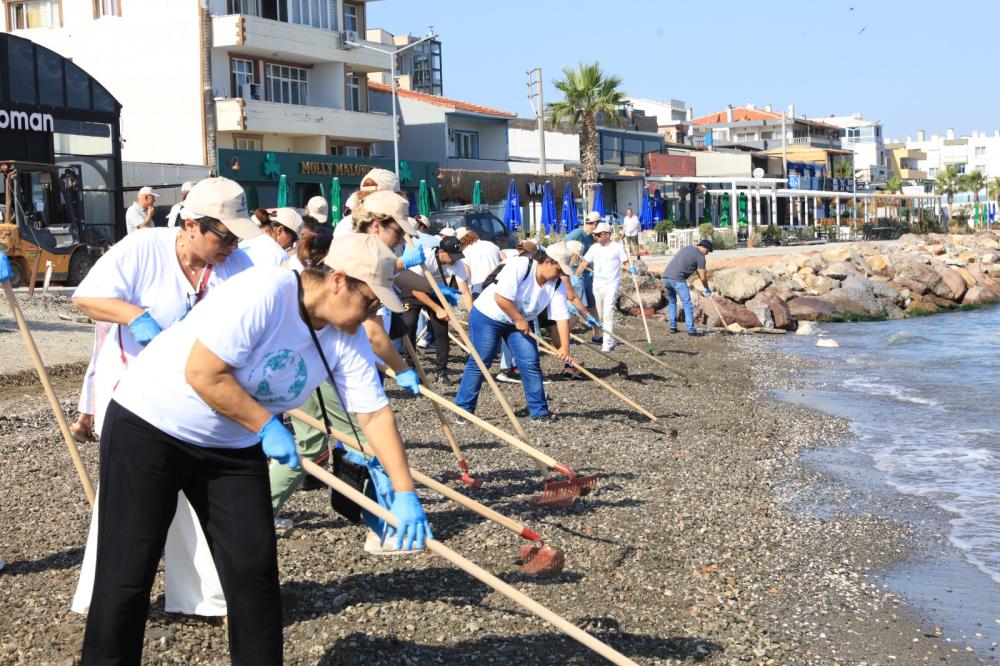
x=512, y=208
x=549, y=219
x=569, y=218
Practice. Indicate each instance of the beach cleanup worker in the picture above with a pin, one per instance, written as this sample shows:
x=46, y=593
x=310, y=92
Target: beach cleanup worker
x=684, y=264
x=142, y=285
x=174, y=216
x=525, y=288
x=269, y=248
x=584, y=283
x=481, y=257
x=199, y=412
x=318, y=209
x=376, y=180
x=606, y=259
x=630, y=231
x=140, y=214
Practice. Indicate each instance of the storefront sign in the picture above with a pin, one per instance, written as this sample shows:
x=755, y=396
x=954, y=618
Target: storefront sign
x=341, y=169
x=22, y=120
x=671, y=165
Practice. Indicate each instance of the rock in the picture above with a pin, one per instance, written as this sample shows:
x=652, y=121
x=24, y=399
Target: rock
x=917, y=277
x=810, y=308
x=966, y=275
x=988, y=258
x=797, y=283
x=936, y=250
x=806, y=328
x=778, y=312
x=780, y=289
x=763, y=314
x=837, y=255
x=844, y=303
x=820, y=284
x=837, y=271
x=979, y=295
x=731, y=313
x=827, y=342
x=739, y=284
x=878, y=265
x=735, y=328
x=951, y=286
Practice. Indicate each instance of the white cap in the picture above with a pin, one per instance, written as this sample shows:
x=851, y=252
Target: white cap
x=288, y=218
x=592, y=217
x=186, y=186
x=364, y=257
x=391, y=205
x=461, y=232
x=147, y=190
x=224, y=200
x=376, y=180
x=601, y=228
x=318, y=208
x=559, y=253
x=447, y=231
x=575, y=248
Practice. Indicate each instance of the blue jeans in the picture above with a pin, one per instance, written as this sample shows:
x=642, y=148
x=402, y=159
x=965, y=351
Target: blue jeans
x=675, y=289
x=486, y=335
x=588, y=290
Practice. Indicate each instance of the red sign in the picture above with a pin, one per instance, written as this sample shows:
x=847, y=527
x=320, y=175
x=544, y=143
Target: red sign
x=671, y=165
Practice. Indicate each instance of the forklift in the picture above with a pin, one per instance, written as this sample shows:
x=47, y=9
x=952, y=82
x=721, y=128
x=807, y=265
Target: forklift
x=40, y=222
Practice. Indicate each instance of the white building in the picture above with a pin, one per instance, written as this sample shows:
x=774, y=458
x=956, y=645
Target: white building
x=977, y=151
x=864, y=137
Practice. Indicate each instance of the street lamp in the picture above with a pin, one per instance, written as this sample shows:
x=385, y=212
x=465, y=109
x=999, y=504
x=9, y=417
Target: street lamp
x=392, y=84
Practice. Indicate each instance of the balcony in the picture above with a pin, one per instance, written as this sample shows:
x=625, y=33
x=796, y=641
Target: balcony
x=253, y=116
x=912, y=174
x=266, y=38
x=909, y=154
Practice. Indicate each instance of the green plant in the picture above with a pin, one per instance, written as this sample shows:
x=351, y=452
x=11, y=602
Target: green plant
x=948, y=183
x=724, y=239
x=664, y=227
x=705, y=230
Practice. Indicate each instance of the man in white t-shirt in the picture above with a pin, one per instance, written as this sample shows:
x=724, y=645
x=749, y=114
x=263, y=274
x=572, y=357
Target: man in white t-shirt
x=174, y=216
x=271, y=247
x=630, y=229
x=606, y=259
x=140, y=214
x=481, y=257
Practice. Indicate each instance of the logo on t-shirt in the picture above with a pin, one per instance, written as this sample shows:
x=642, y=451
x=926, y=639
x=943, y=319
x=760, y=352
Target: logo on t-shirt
x=279, y=378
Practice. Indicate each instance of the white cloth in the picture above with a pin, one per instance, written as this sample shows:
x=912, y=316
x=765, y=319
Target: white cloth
x=344, y=227
x=252, y=323
x=630, y=226
x=606, y=296
x=142, y=269
x=174, y=216
x=518, y=284
x=88, y=398
x=606, y=262
x=264, y=251
x=481, y=257
x=456, y=270
x=134, y=216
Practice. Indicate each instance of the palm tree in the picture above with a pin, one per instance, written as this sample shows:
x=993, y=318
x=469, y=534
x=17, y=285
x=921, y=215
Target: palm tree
x=588, y=93
x=893, y=186
x=948, y=183
x=974, y=182
x=994, y=190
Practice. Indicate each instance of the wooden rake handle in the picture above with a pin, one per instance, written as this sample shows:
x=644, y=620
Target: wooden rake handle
x=474, y=570
x=50, y=393
x=647, y=355
x=418, y=366
x=638, y=295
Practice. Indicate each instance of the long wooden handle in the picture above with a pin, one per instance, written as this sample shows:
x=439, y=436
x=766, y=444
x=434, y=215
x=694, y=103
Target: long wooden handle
x=642, y=310
x=473, y=569
x=717, y=311
x=423, y=479
x=43, y=376
x=646, y=354
x=583, y=343
x=418, y=366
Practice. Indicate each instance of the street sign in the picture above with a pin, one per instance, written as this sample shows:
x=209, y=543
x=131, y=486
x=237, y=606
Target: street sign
x=758, y=173
x=793, y=182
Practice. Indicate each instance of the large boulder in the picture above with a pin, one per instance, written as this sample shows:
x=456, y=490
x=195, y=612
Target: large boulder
x=819, y=284
x=782, y=290
x=916, y=276
x=739, y=284
x=979, y=295
x=811, y=308
x=951, y=286
x=879, y=265
x=775, y=307
x=838, y=271
x=722, y=312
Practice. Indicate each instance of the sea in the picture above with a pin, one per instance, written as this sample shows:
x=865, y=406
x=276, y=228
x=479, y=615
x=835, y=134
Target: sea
x=923, y=399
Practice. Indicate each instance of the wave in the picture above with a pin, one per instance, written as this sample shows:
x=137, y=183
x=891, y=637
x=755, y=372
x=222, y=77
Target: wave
x=901, y=338
x=882, y=389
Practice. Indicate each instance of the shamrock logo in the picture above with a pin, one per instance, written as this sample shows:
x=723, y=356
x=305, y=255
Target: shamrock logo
x=405, y=172
x=270, y=166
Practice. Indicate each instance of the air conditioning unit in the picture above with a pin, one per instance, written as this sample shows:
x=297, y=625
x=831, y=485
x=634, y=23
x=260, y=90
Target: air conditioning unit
x=255, y=91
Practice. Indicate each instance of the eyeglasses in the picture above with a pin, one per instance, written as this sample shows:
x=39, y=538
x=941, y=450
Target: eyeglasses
x=396, y=229
x=226, y=237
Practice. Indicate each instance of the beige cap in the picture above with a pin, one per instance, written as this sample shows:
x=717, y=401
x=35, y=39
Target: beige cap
x=364, y=257
x=575, y=248
x=147, y=190
x=289, y=218
x=461, y=232
x=186, y=186
x=446, y=232
x=592, y=217
x=318, y=208
x=376, y=180
x=224, y=200
x=602, y=227
x=389, y=204
x=560, y=253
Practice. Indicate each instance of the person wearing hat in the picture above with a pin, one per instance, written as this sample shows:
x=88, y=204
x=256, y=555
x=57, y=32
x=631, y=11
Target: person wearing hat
x=318, y=209
x=270, y=247
x=140, y=214
x=526, y=288
x=606, y=259
x=141, y=286
x=675, y=276
x=175, y=211
x=584, y=284
x=376, y=180
x=200, y=412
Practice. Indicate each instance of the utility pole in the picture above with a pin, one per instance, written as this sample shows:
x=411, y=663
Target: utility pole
x=535, y=78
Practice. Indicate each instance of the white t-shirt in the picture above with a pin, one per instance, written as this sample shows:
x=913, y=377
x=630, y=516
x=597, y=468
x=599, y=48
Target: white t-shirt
x=264, y=251
x=481, y=257
x=142, y=269
x=174, y=216
x=456, y=270
x=630, y=225
x=606, y=262
x=134, y=216
x=253, y=324
x=531, y=299
x=344, y=227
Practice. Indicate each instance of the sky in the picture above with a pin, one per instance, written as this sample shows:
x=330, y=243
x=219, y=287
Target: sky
x=912, y=64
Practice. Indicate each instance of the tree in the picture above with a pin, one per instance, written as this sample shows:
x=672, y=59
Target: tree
x=893, y=186
x=588, y=95
x=948, y=183
x=994, y=190
x=974, y=182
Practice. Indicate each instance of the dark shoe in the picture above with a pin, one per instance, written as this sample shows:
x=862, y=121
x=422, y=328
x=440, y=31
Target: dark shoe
x=696, y=334
x=673, y=329
x=443, y=378
x=545, y=418
x=569, y=372
x=597, y=339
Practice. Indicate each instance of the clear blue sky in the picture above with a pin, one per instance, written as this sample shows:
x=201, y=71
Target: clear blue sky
x=916, y=65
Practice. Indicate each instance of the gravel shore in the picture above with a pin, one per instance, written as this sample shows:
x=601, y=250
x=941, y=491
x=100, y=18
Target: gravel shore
x=686, y=551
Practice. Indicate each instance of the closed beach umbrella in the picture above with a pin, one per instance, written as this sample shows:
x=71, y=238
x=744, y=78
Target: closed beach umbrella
x=741, y=210
x=657, y=208
x=424, y=199
x=646, y=212
x=334, y=201
x=707, y=216
x=724, y=211
x=253, y=199
x=512, y=207
x=569, y=219
x=477, y=193
x=283, y=191
x=434, y=198
x=598, y=200
x=548, y=207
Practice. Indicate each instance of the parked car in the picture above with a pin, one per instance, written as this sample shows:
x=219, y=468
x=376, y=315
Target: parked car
x=486, y=225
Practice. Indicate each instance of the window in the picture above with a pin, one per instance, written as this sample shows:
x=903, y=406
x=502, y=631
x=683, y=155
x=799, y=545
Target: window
x=980, y=151
x=467, y=145
x=354, y=93
x=932, y=172
x=767, y=136
x=243, y=78
x=34, y=14
x=315, y=13
x=21, y=69
x=248, y=142
x=251, y=7
x=981, y=168
x=286, y=84
x=425, y=68
x=354, y=151
x=50, y=78
x=351, y=22
x=107, y=8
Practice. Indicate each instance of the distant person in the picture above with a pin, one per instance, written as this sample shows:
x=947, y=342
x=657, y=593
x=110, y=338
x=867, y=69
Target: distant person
x=140, y=214
x=270, y=247
x=481, y=257
x=319, y=209
x=606, y=259
x=688, y=260
x=175, y=211
x=261, y=216
x=584, y=284
x=376, y=180
x=630, y=229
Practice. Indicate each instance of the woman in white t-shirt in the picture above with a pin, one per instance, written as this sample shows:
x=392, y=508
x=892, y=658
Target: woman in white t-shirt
x=271, y=245
x=142, y=286
x=199, y=411
x=606, y=259
x=525, y=288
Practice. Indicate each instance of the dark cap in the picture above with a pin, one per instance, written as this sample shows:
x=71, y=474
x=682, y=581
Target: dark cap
x=530, y=247
x=452, y=246
x=707, y=244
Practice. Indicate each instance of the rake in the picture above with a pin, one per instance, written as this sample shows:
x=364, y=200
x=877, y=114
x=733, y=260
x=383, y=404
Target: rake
x=620, y=366
x=642, y=310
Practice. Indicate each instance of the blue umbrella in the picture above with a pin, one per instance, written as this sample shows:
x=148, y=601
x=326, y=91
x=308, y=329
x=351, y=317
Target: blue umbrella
x=598, y=200
x=657, y=208
x=512, y=207
x=646, y=212
x=549, y=218
x=569, y=219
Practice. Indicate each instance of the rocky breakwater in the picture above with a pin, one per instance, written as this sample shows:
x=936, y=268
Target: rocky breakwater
x=862, y=281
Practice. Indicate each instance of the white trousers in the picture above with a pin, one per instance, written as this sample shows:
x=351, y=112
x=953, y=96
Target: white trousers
x=87, y=394
x=191, y=582
x=606, y=296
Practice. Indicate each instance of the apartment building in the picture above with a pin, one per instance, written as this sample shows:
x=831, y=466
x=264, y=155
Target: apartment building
x=418, y=68
x=751, y=128
x=976, y=151
x=864, y=138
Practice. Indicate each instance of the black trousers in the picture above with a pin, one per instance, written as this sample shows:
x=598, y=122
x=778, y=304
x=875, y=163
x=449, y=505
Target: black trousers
x=142, y=469
x=441, y=341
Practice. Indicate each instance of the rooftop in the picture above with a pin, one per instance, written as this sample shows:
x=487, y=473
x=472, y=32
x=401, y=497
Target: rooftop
x=437, y=100
x=751, y=114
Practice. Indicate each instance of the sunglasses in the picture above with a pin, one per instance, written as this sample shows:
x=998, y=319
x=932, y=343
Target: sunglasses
x=226, y=237
x=371, y=300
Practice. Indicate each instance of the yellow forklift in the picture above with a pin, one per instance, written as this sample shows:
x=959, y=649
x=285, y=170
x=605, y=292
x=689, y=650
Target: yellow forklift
x=40, y=222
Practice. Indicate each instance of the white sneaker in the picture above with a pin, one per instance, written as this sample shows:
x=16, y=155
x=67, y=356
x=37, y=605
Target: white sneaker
x=502, y=376
x=283, y=526
x=375, y=546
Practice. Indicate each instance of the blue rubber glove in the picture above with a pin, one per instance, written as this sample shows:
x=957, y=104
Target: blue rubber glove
x=5, y=272
x=592, y=320
x=708, y=292
x=573, y=312
x=409, y=380
x=577, y=283
x=278, y=443
x=413, y=256
x=412, y=528
x=144, y=328
x=633, y=270
x=450, y=295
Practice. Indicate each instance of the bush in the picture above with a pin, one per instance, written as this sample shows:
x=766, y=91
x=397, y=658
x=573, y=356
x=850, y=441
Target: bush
x=705, y=230
x=664, y=227
x=724, y=240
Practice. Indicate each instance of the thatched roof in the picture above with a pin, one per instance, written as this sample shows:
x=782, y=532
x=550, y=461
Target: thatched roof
x=456, y=184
